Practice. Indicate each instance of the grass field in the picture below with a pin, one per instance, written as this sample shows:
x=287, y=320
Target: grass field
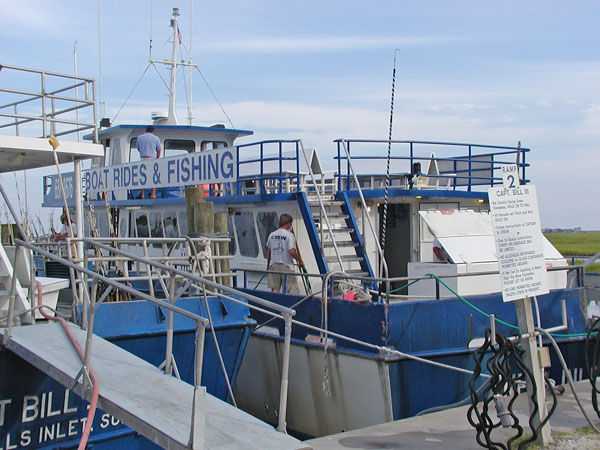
x=577, y=244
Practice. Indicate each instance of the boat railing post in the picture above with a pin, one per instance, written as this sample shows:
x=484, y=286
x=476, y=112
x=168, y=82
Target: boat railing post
x=11, y=298
x=281, y=426
x=198, y=402
x=148, y=270
x=44, y=126
x=169, y=346
x=90, y=333
x=84, y=282
x=437, y=288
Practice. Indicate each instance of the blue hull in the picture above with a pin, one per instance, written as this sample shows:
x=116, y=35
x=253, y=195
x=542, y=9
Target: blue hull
x=438, y=331
x=37, y=412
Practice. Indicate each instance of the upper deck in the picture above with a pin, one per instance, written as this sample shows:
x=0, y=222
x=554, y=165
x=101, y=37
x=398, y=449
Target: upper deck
x=277, y=169
x=44, y=104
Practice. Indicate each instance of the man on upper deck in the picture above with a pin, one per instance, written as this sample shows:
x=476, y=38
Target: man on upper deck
x=148, y=145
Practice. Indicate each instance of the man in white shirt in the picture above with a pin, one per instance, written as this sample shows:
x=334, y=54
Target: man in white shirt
x=281, y=254
x=148, y=144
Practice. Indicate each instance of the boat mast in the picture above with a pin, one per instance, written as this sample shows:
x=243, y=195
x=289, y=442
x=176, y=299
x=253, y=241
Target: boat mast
x=172, y=118
x=172, y=65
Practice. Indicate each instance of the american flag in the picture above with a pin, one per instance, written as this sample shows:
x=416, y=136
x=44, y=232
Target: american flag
x=179, y=36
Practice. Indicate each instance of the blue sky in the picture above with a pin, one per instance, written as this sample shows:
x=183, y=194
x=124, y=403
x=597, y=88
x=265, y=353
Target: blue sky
x=469, y=71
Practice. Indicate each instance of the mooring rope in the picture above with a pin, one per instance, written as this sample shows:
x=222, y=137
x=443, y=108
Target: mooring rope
x=387, y=171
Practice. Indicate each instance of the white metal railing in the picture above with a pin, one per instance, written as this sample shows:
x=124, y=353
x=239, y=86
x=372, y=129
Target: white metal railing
x=93, y=299
x=52, y=103
x=382, y=261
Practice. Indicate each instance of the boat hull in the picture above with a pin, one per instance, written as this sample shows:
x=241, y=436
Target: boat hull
x=368, y=387
x=38, y=412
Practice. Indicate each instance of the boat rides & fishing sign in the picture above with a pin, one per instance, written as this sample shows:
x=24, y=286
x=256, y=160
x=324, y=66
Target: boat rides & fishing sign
x=213, y=166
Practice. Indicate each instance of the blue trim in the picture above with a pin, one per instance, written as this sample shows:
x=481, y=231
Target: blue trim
x=253, y=198
x=356, y=236
x=311, y=229
x=438, y=193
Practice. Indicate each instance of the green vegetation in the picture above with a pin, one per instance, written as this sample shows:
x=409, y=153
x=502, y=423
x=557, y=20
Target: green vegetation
x=577, y=244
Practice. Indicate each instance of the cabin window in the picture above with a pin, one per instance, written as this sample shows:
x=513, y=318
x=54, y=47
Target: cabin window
x=212, y=145
x=141, y=226
x=231, y=232
x=115, y=151
x=170, y=225
x=134, y=155
x=155, y=222
x=246, y=233
x=267, y=222
x=123, y=226
x=176, y=147
x=183, y=223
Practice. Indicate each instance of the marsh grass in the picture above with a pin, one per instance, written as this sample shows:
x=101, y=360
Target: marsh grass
x=577, y=244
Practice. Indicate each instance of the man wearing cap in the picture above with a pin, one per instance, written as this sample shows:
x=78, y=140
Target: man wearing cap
x=148, y=145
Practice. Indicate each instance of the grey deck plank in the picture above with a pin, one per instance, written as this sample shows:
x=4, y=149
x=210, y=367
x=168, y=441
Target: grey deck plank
x=137, y=393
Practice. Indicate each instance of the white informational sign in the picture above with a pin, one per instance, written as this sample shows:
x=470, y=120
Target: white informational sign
x=519, y=241
x=213, y=166
x=510, y=176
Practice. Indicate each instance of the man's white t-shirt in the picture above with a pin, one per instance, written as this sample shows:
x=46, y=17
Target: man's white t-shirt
x=280, y=242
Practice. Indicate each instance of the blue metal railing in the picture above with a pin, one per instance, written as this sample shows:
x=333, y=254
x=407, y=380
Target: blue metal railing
x=473, y=165
x=257, y=170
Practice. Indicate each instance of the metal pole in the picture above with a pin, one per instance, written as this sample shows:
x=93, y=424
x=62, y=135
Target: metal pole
x=11, y=299
x=281, y=426
x=532, y=361
x=169, y=349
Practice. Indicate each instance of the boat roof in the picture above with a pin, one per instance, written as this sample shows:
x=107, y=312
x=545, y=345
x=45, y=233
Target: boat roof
x=468, y=236
x=22, y=153
x=108, y=132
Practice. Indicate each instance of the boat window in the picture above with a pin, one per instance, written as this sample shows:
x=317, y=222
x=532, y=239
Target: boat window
x=267, y=222
x=155, y=222
x=231, y=231
x=183, y=223
x=176, y=147
x=123, y=232
x=170, y=225
x=141, y=226
x=134, y=155
x=115, y=151
x=246, y=233
x=211, y=145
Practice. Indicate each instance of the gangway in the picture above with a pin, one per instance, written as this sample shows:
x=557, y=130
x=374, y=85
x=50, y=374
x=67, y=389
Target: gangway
x=140, y=395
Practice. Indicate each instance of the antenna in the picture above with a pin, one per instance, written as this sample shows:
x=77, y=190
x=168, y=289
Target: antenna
x=172, y=87
x=102, y=106
x=191, y=67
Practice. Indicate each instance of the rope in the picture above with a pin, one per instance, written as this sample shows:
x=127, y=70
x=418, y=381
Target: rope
x=215, y=97
x=132, y=91
x=389, y=152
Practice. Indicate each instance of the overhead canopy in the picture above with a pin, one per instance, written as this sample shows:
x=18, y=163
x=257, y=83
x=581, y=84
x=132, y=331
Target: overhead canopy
x=468, y=237
x=21, y=153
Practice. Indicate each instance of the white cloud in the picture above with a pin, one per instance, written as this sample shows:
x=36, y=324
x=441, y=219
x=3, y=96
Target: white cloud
x=285, y=44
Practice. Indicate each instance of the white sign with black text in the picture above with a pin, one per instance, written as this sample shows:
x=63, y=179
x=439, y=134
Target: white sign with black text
x=519, y=241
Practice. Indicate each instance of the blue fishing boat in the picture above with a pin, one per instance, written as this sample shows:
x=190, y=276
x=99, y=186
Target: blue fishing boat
x=130, y=368
x=383, y=328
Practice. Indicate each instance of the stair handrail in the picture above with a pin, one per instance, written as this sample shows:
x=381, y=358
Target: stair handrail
x=364, y=206
x=321, y=207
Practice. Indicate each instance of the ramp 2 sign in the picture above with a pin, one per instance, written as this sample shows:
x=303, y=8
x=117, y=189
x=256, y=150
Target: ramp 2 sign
x=519, y=241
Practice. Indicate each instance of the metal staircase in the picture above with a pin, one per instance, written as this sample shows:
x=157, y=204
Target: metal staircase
x=335, y=222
